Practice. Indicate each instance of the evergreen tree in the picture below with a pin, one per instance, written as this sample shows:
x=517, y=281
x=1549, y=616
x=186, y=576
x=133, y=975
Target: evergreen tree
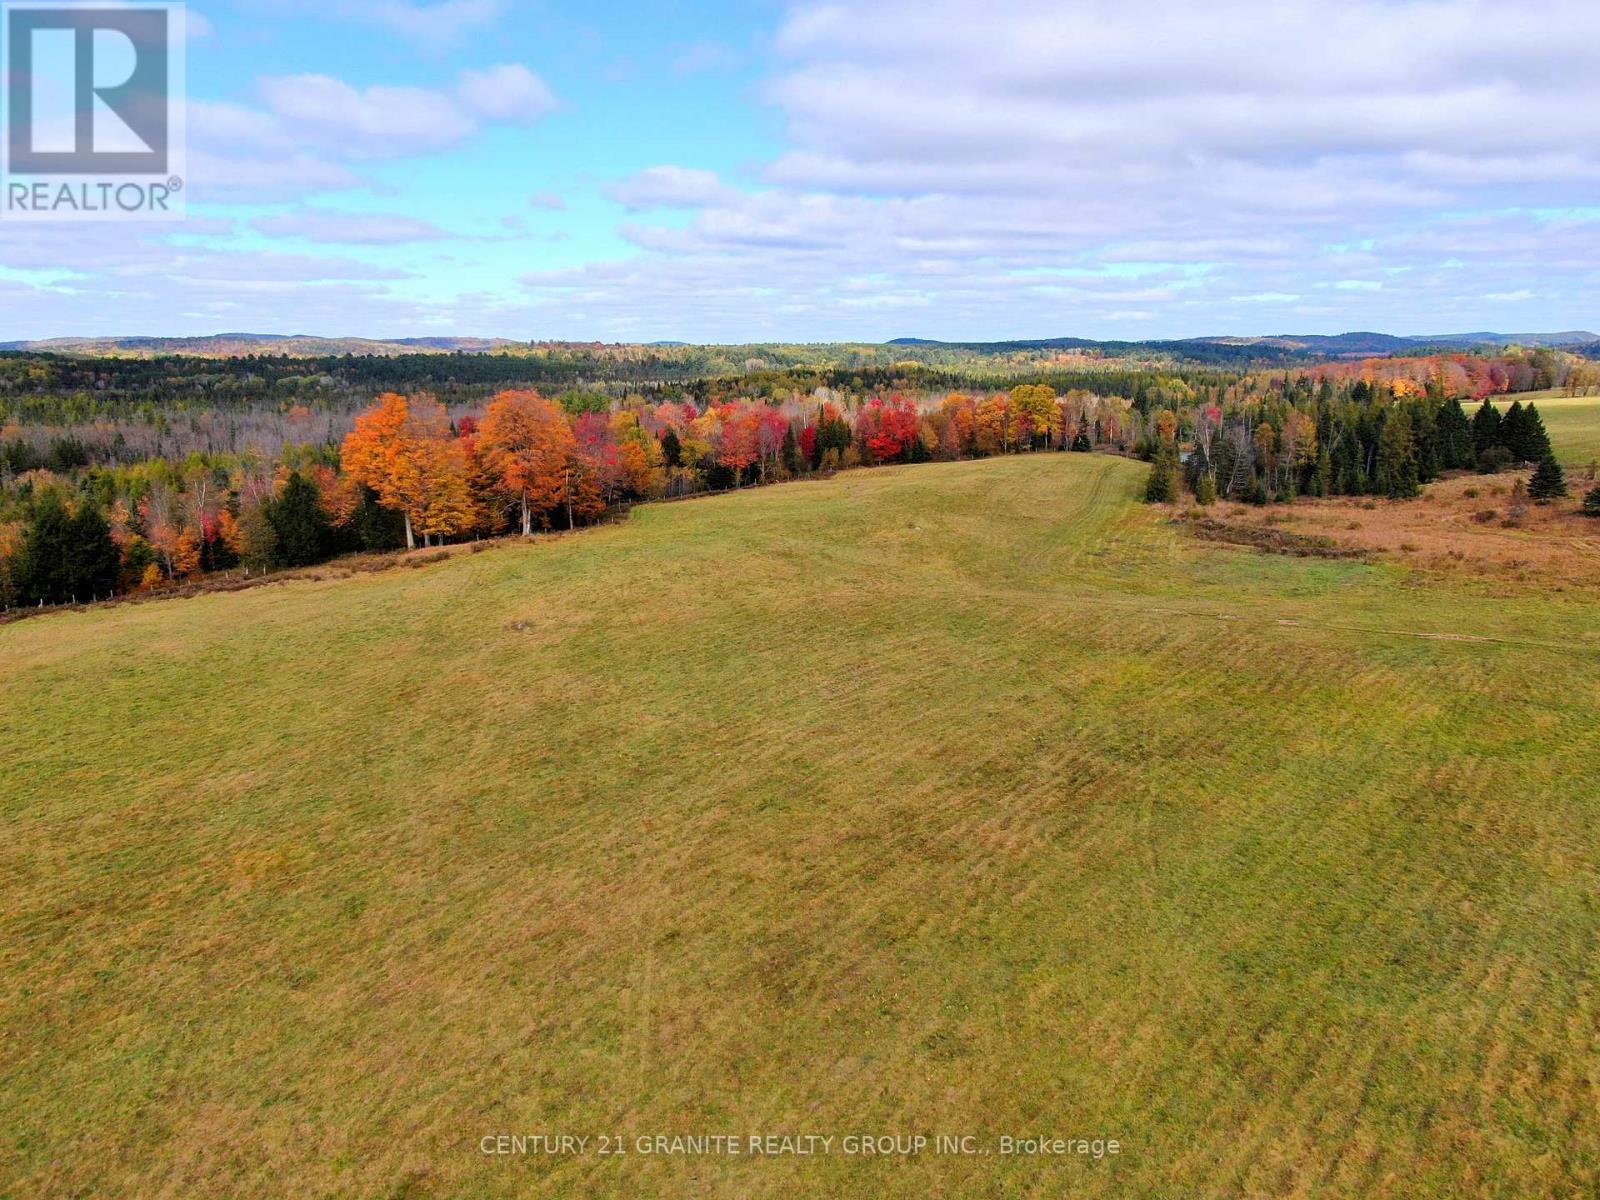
x=1591, y=503
x=300, y=525
x=1163, y=486
x=1514, y=432
x=1456, y=448
x=1205, y=489
x=1397, y=457
x=1549, y=481
x=1426, y=434
x=1322, y=477
x=671, y=448
x=95, y=563
x=1485, y=428
x=1198, y=465
x=66, y=556
x=1535, y=440
x=375, y=527
x=41, y=562
x=790, y=452
x=1080, y=440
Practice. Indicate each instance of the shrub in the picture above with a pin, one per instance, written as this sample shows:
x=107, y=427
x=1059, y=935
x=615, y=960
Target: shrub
x=1493, y=459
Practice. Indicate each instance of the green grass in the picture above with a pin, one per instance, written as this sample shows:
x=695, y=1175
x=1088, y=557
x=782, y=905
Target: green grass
x=966, y=799
x=1573, y=423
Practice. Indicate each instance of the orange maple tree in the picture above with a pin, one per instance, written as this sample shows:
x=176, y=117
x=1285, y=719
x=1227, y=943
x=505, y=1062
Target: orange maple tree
x=399, y=448
x=527, y=444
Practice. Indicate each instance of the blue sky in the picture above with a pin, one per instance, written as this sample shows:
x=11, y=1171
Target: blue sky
x=857, y=171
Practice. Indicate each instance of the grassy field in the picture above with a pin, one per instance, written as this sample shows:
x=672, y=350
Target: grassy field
x=1573, y=423
x=967, y=799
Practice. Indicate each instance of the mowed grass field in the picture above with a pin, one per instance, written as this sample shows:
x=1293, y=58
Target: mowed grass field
x=1573, y=423
x=966, y=799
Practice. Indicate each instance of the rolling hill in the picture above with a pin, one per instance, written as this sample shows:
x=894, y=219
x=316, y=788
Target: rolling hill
x=966, y=799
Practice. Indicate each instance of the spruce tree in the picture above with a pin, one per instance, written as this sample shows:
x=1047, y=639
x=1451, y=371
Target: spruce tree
x=1549, y=481
x=66, y=556
x=299, y=523
x=374, y=527
x=1485, y=428
x=1397, y=457
x=1205, y=489
x=671, y=448
x=1426, y=434
x=1456, y=449
x=1513, y=431
x=41, y=563
x=94, y=563
x=1322, y=477
x=1591, y=503
x=1535, y=439
x=1163, y=487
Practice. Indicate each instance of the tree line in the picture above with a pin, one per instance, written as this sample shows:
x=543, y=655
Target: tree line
x=1364, y=439
x=408, y=473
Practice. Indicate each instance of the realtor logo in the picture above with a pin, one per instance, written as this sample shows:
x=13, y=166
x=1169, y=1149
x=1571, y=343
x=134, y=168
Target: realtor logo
x=93, y=112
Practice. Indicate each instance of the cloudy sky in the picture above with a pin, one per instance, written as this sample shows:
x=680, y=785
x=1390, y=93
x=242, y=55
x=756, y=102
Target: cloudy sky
x=960, y=169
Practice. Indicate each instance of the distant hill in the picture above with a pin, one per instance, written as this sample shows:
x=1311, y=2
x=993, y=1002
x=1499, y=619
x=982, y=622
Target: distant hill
x=1572, y=337
x=237, y=345
x=1224, y=349
x=1361, y=344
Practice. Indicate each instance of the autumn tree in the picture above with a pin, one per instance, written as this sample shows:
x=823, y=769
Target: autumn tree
x=404, y=451
x=995, y=424
x=526, y=441
x=737, y=446
x=1035, y=407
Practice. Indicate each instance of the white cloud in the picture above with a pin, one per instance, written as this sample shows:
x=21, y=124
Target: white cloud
x=947, y=149
x=310, y=128
x=671, y=187
x=449, y=20
x=960, y=168
x=350, y=228
x=445, y=22
x=372, y=122
x=394, y=121
x=509, y=92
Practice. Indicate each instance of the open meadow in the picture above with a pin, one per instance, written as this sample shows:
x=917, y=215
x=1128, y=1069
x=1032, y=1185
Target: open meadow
x=1573, y=423
x=972, y=799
